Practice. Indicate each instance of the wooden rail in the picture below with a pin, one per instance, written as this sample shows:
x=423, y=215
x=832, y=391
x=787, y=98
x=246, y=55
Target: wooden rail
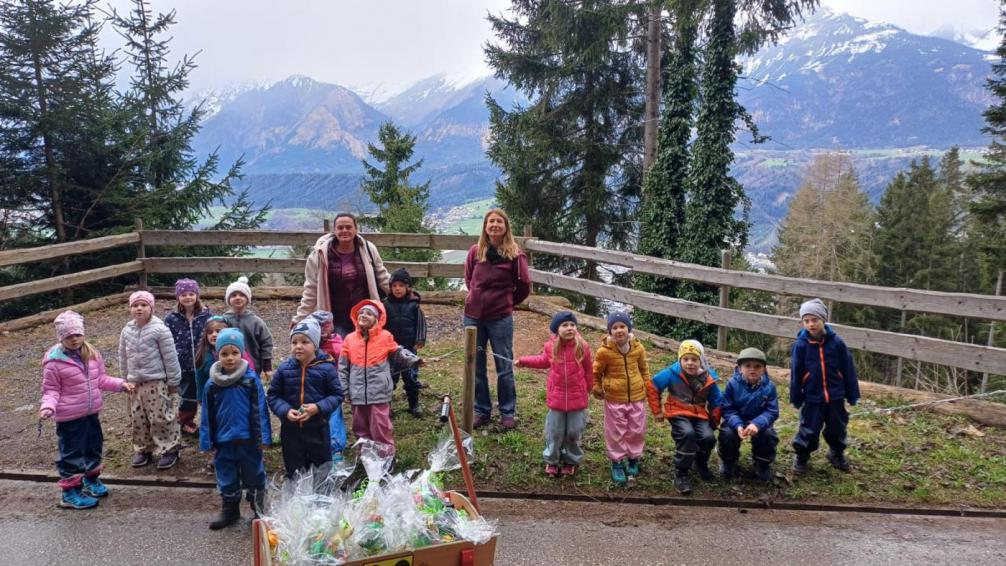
x=65, y=281
x=955, y=354
x=298, y=238
x=280, y=265
x=986, y=307
x=31, y=255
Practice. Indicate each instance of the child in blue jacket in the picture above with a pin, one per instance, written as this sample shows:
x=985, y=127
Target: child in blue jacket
x=822, y=378
x=750, y=407
x=235, y=428
x=693, y=408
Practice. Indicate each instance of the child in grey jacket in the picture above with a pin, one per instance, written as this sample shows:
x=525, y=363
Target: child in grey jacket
x=258, y=338
x=147, y=359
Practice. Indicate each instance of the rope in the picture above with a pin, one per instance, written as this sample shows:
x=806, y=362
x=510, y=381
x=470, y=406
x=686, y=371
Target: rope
x=495, y=355
x=889, y=410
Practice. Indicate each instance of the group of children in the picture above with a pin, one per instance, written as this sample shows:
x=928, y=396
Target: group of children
x=822, y=379
x=221, y=362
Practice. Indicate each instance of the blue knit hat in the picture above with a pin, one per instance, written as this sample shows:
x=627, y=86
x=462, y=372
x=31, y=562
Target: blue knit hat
x=559, y=318
x=308, y=327
x=231, y=337
x=619, y=316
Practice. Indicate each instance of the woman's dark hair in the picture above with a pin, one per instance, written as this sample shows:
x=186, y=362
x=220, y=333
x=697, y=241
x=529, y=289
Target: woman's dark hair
x=348, y=215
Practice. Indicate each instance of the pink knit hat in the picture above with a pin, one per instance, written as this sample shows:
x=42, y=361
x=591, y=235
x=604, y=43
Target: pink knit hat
x=69, y=323
x=141, y=297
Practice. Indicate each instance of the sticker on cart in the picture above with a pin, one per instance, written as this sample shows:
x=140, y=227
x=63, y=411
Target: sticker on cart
x=402, y=561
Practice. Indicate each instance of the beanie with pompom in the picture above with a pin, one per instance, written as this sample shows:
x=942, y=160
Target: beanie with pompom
x=239, y=286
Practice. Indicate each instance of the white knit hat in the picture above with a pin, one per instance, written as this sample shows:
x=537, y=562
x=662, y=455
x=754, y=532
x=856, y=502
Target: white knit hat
x=239, y=286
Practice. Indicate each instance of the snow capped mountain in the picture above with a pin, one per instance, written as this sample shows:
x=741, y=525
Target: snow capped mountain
x=986, y=39
x=430, y=96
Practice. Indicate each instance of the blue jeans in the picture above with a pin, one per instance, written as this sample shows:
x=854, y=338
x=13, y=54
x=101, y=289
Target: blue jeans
x=498, y=333
x=337, y=430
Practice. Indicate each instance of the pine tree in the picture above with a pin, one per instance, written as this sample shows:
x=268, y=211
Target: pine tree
x=401, y=206
x=570, y=159
x=663, y=208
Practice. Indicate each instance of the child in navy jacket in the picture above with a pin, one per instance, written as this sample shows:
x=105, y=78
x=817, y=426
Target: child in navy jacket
x=822, y=377
x=750, y=407
x=235, y=428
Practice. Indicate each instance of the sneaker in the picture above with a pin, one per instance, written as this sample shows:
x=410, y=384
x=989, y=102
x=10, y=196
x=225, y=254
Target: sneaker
x=838, y=460
x=141, y=459
x=632, y=467
x=168, y=460
x=75, y=499
x=508, y=423
x=567, y=470
x=480, y=421
x=800, y=463
x=682, y=484
x=728, y=469
x=94, y=487
x=618, y=473
x=703, y=469
x=764, y=472
x=552, y=470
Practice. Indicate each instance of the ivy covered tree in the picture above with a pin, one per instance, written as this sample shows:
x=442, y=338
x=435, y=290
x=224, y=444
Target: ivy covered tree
x=401, y=205
x=570, y=158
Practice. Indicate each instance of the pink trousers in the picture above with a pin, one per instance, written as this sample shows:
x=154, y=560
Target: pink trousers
x=624, y=429
x=374, y=422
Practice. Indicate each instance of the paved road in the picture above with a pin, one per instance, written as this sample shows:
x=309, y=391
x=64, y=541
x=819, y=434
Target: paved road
x=165, y=526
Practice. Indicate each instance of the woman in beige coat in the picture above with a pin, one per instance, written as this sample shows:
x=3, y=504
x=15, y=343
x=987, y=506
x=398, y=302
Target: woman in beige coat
x=342, y=270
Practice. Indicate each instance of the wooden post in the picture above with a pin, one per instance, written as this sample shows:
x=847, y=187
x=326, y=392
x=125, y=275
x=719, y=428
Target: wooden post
x=721, y=332
x=468, y=407
x=327, y=225
x=652, y=86
x=992, y=331
x=527, y=234
x=141, y=254
x=901, y=361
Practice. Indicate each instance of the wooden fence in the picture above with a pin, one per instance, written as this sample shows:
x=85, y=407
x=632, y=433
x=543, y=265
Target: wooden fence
x=943, y=352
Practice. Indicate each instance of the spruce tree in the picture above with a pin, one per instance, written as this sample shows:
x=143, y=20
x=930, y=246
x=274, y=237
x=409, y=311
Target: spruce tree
x=401, y=206
x=570, y=158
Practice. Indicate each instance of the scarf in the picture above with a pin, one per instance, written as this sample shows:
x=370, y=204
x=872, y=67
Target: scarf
x=222, y=379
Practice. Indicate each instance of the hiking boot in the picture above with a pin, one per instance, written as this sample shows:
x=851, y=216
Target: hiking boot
x=632, y=467
x=704, y=472
x=551, y=470
x=256, y=502
x=141, y=459
x=94, y=487
x=480, y=421
x=168, y=460
x=416, y=411
x=800, y=462
x=230, y=513
x=74, y=498
x=618, y=473
x=764, y=472
x=508, y=422
x=682, y=484
x=567, y=470
x=728, y=469
x=838, y=460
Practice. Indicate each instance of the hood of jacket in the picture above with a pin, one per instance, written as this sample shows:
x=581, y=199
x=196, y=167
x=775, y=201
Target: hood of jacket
x=804, y=336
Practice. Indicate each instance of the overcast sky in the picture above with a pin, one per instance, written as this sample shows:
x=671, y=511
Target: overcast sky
x=390, y=44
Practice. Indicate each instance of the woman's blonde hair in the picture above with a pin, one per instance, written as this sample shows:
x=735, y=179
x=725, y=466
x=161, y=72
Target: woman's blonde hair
x=581, y=344
x=508, y=248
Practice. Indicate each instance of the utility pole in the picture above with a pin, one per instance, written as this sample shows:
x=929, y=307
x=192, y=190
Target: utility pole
x=652, y=84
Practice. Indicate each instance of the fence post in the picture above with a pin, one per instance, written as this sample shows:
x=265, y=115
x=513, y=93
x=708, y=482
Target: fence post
x=327, y=225
x=721, y=332
x=527, y=234
x=468, y=406
x=992, y=331
x=901, y=361
x=141, y=253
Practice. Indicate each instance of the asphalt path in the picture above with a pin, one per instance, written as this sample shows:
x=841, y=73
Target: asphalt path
x=168, y=526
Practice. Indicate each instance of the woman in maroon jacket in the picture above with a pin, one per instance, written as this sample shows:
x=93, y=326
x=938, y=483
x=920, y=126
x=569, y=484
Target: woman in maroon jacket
x=497, y=278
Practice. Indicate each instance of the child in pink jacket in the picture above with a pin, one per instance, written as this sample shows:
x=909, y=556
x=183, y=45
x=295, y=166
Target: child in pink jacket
x=570, y=378
x=73, y=377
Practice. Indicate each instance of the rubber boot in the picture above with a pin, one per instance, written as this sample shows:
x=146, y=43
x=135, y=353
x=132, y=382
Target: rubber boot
x=800, y=462
x=681, y=482
x=838, y=460
x=230, y=513
x=702, y=467
x=764, y=471
x=728, y=469
x=632, y=467
x=414, y=409
x=256, y=502
x=618, y=473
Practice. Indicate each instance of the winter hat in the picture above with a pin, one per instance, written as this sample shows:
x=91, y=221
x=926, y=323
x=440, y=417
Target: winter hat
x=693, y=347
x=231, y=337
x=308, y=327
x=559, y=318
x=67, y=324
x=751, y=354
x=370, y=308
x=401, y=276
x=239, y=286
x=815, y=307
x=619, y=316
x=323, y=318
x=186, y=286
x=141, y=297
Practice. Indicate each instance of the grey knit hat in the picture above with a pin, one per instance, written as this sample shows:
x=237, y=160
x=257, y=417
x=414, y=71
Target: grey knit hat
x=815, y=307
